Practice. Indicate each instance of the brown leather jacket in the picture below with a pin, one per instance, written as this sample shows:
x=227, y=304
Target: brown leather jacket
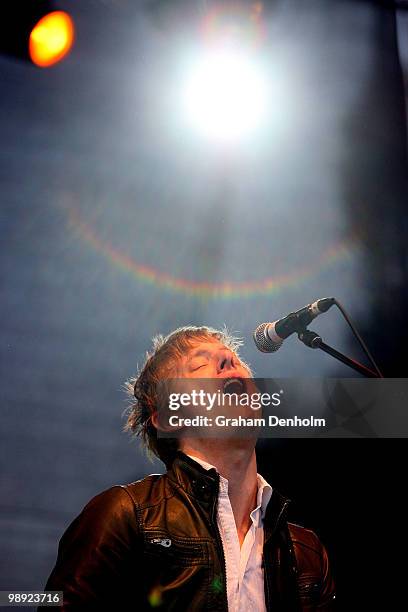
x=155, y=544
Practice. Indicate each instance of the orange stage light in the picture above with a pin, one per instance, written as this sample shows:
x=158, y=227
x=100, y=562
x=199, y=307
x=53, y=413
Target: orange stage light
x=51, y=38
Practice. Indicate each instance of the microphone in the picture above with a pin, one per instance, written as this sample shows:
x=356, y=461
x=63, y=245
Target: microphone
x=269, y=337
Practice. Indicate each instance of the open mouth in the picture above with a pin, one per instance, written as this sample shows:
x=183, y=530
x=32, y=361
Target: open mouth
x=234, y=385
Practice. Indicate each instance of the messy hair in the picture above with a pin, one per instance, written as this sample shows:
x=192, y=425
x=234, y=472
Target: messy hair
x=160, y=363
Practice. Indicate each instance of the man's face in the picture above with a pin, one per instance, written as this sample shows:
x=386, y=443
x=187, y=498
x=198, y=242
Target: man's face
x=212, y=359
x=210, y=368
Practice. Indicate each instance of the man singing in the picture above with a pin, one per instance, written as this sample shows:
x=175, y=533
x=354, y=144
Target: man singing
x=210, y=534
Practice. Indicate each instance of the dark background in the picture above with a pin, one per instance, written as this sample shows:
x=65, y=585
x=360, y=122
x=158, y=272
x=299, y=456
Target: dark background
x=351, y=493
x=117, y=223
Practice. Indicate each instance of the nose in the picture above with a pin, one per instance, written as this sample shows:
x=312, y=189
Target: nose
x=225, y=361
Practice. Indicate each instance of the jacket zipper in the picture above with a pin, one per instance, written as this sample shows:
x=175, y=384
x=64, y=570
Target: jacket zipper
x=219, y=542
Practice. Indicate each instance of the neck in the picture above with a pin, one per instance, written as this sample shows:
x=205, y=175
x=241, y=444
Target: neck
x=238, y=466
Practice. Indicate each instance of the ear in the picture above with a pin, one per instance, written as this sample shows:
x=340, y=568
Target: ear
x=154, y=418
x=162, y=424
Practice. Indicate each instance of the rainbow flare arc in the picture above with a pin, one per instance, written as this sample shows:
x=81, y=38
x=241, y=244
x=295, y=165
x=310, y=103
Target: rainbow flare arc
x=206, y=290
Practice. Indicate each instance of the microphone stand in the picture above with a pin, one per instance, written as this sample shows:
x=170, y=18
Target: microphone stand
x=314, y=341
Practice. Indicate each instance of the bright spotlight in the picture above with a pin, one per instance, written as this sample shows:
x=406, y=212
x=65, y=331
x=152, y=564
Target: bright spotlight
x=51, y=38
x=225, y=95
x=34, y=31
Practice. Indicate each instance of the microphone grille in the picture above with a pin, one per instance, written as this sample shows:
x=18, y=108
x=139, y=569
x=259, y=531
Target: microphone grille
x=263, y=341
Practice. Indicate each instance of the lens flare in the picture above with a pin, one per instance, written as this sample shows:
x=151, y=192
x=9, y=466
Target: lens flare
x=225, y=95
x=227, y=290
x=51, y=39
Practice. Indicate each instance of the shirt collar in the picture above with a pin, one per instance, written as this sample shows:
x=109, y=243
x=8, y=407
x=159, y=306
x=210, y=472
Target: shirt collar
x=264, y=493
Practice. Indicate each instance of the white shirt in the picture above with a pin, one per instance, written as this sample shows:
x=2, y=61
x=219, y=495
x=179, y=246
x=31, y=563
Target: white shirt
x=245, y=574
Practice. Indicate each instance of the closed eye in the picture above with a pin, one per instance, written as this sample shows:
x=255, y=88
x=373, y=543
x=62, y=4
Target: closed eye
x=197, y=366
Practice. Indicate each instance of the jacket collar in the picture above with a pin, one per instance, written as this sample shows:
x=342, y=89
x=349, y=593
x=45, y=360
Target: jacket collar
x=203, y=485
x=196, y=481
